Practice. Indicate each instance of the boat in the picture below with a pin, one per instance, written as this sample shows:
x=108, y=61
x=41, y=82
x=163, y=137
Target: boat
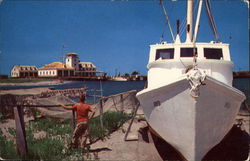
x=118, y=78
x=189, y=100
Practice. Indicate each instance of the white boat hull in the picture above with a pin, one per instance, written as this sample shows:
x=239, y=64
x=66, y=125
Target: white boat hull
x=191, y=125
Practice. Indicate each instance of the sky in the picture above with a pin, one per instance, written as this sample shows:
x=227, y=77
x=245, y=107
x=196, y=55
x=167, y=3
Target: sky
x=114, y=35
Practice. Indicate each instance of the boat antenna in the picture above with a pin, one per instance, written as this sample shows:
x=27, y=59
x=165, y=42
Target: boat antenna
x=62, y=52
x=167, y=20
x=211, y=20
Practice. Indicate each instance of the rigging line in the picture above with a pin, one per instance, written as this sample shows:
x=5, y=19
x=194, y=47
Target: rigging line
x=169, y=26
x=211, y=20
x=171, y=10
x=183, y=63
x=183, y=26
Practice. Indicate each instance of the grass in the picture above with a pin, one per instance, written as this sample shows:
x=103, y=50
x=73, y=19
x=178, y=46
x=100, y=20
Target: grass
x=22, y=80
x=52, y=127
x=58, y=135
x=6, y=147
x=2, y=117
x=111, y=121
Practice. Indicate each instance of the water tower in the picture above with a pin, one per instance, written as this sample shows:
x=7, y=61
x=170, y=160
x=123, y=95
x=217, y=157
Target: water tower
x=72, y=60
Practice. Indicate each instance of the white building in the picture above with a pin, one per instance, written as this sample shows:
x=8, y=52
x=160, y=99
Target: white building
x=87, y=69
x=56, y=69
x=24, y=71
x=72, y=68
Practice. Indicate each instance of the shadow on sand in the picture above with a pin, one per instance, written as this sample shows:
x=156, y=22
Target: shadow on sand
x=234, y=146
x=99, y=150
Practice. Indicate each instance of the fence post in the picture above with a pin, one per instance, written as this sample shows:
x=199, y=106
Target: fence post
x=73, y=119
x=20, y=131
x=101, y=112
x=94, y=95
x=122, y=103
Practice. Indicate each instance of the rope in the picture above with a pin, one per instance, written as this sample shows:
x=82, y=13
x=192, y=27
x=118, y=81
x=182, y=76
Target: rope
x=211, y=20
x=167, y=20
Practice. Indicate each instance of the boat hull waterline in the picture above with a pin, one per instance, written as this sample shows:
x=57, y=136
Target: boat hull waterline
x=191, y=125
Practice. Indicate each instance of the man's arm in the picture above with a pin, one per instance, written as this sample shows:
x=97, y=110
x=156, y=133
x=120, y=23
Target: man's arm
x=67, y=107
x=92, y=112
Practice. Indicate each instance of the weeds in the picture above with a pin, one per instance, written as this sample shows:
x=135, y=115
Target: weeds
x=2, y=117
x=7, y=149
x=54, y=145
x=51, y=127
x=111, y=121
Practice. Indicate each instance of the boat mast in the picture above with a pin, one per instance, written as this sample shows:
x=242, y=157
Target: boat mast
x=197, y=21
x=189, y=26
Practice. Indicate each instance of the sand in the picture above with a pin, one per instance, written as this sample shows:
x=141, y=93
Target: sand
x=51, y=82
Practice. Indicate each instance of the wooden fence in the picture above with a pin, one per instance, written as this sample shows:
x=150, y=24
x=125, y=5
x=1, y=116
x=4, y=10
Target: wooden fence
x=18, y=102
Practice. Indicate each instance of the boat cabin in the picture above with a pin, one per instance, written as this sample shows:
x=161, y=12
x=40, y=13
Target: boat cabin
x=169, y=61
x=209, y=51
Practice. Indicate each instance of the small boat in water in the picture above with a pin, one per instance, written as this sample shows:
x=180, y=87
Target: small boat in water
x=118, y=78
x=189, y=100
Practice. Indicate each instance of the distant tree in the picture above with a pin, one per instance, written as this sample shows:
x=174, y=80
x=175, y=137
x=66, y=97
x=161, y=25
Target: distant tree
x=135, y=73
x=126, y=75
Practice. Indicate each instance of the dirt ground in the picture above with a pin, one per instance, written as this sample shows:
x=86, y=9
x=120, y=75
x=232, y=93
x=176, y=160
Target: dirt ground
x=25, y=91
x=51, y=82
x=235, y=146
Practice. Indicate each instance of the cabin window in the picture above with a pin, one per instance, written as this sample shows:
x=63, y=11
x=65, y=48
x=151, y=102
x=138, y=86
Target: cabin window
x=188, y=52
x=164, y=54
x=211, y=53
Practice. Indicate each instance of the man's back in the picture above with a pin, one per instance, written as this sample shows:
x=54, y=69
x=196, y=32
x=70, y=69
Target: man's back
x=82, y=112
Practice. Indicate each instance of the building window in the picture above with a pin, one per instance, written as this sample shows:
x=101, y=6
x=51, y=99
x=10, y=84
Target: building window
x=188, y=52
x=164, y=54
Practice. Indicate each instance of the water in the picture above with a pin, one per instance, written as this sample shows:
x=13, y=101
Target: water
x=115, y=87
x=243, y=84
x=108, y=87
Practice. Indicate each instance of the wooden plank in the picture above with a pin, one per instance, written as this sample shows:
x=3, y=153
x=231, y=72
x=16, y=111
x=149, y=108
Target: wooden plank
x=129, y=127
x=20, y=131
x=114, y=103
x=101, y=112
